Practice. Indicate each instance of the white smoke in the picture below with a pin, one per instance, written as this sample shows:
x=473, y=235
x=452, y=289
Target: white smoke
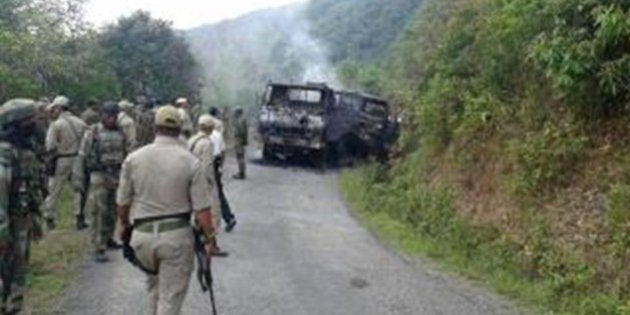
x=313, y=56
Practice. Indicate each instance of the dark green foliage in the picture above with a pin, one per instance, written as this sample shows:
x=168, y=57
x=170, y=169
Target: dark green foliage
x=359, y=29
x=586, y=54
x=45, y=49
x=510, y=102
x=150, y=58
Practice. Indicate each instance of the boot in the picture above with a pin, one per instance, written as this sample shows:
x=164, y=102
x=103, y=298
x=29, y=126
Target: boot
x=50, y=223
x=217, y=252
x=100, y=257
x=111, y=244
x=230, y=225
x=80, y=222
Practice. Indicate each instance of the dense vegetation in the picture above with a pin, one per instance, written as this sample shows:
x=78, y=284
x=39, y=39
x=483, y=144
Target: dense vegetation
x=515, y=150
x=358, y=29
x=47, y=48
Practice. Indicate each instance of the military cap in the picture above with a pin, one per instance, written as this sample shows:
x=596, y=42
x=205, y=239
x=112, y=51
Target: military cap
x=61, y=101
x=168, y=116
x=125, y=104
x=16, y=110
x=206, y=120
x=110, y=109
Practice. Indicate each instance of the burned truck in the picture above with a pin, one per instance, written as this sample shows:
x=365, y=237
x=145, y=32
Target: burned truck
x=325, y=125
x=292, y=120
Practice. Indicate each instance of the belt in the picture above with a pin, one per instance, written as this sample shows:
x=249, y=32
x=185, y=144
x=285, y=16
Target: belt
x=160, y=227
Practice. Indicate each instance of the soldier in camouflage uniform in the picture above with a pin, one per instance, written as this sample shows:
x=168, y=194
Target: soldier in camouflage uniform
x=19, y=198
x=102, y=151
x=91, y=115
x=145, y=129
x=240, y=141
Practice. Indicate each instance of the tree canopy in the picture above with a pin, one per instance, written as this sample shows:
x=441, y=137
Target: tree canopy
x=150, y=58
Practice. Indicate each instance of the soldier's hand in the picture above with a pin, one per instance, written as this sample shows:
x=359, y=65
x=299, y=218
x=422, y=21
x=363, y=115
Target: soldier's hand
x=209, y=249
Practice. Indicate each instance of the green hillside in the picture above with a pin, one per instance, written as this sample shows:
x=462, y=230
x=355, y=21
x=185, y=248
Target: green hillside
x=514, y=165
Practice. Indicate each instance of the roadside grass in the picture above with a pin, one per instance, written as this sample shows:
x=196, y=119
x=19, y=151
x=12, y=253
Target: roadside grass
x=476, y=254
x=54, y=261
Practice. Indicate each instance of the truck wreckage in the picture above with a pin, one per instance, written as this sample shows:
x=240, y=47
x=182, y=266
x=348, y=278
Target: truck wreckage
x=323, y=124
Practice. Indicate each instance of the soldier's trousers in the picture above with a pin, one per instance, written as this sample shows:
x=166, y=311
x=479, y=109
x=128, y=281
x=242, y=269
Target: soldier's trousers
x=173, y=252
x=101, y=204
x=240, y=159
x=63, y=171
x=22, y=235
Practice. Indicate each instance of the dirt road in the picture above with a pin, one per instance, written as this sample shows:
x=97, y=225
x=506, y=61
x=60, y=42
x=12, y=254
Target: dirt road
x=295, y=251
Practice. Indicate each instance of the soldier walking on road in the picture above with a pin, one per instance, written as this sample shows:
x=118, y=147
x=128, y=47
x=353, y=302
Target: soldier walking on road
x=20, y=196
x=218, y=142
x=145, y=129
x=103, y=149
x=184, y=111
x=201, y=146
x=62, y=141
x=127, y=123
x=160, y=202
x=91, y=115
x=240, y=141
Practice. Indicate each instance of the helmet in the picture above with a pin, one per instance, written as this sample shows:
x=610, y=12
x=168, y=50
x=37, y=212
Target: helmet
x=110, y=109
x=16, y=110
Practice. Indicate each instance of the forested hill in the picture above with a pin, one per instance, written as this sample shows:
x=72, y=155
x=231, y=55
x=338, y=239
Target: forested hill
x=513, y=165
x=296, y=43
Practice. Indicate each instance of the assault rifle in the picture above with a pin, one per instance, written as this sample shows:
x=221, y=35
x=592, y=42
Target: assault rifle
x=204, y=270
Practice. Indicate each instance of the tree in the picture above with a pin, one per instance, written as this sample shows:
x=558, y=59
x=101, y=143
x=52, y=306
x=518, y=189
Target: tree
x=150, y=58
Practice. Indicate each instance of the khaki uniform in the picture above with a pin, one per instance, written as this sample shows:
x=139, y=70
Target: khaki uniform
x=202, y=148
x=90, y=116
x=187, y=124
x=64, y=137
x=128, y=126
x=100, y=156
x=164, y=178
x=240, y=142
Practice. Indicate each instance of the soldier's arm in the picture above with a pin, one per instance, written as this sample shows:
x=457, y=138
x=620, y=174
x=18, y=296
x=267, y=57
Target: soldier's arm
x=5, y=185
x=201, y=201
x=133, y=137
x=124, y=194
x=85, y=149
x=51, y=137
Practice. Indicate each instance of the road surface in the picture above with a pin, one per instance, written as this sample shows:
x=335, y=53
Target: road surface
x=295, y=251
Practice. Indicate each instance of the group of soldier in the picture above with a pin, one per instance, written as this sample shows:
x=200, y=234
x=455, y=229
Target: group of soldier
x=141, y=174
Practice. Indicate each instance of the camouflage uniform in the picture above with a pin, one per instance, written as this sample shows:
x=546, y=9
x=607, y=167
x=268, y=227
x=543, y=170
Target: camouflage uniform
x=63, y=139
x=145, y=131
x=20, y=196
x=90, y=116
x=100, y=157
x=240, y=142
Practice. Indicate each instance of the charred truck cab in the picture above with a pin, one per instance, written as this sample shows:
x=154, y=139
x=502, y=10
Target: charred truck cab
x=292, y=120
x=323, y=124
